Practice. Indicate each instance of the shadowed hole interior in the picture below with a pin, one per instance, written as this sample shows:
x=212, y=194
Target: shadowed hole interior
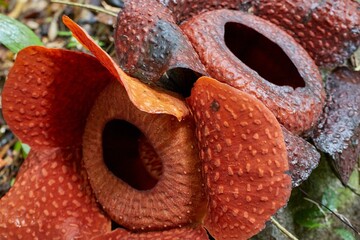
x=122, y=144
x=180, y=80
x=262, y=55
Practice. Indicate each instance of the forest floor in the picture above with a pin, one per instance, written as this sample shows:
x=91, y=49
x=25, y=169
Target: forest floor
x=304, y=215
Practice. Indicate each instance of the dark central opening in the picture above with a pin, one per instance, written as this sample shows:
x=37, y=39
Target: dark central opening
x=262, y=55
x=122, y=145
x=180, y=80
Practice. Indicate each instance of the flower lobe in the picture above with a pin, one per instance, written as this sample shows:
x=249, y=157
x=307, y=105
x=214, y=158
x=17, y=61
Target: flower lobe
x=239, y=176
x=51, y=199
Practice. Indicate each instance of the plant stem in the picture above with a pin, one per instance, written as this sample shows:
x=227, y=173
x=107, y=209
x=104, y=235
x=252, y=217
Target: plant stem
x=18, y=8
x=339, y=216
x=87, y=6
x=284, y=230
x=319, y=207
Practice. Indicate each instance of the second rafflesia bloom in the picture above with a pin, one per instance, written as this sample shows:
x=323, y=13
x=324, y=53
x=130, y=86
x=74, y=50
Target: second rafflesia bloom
x=108, y=147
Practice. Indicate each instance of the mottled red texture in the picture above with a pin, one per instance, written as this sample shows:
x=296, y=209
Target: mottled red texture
x=338, y=134
x=297, y=107
x=177, y=199
x=149, y=158
x=328, y=30
x=185, y=233
x=51, y=199
x=149, y=43
x=303, y=157
x=44, y=101
x=243, y=157
x=185, y=9
x=45, y=104
x=58, y=89
x=144, y=97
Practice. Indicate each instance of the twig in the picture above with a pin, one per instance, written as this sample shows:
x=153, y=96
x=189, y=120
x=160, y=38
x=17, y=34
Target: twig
x=339, y=216
x=87, y=6
x=110, y=8
x=284, y=230
x=7, y=147
x=319, y=207
x=18, y=9
x=353, y=190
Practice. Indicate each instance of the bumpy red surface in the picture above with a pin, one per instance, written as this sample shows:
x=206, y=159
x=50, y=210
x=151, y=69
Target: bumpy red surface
x=328, y=30
x=297, y=107
x=149, y=158
x=51, y=199
x=149, y=43
x=244, y=159
x=185, y=9
x=338, y=134
x=303, y=157
x=49, y=93
x=142, y=95
x=185, y=233
x=177, y=199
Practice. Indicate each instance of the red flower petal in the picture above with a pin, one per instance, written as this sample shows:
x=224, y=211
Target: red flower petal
x=185, y=233
x=142, y=95
x=303, y=157
x=244, y=159
x=328, y=30
x=339, y=132
x=186, y=9
x=49, y=93
x=177, y=199
x=158, y=46
x=270, y=64
x=51, y=199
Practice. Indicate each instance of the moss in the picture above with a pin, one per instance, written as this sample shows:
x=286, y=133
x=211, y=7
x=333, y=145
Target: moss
x=313, y=221
x=308, y=220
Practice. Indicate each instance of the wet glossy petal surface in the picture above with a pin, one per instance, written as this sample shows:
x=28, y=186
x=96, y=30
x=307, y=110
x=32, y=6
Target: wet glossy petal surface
x=328, y=30
x=303, y=157
x=157, y=44
x=338, y=134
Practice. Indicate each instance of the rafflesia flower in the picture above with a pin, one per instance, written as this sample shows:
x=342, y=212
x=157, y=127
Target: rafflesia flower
x=105, y=146
x=234, y=47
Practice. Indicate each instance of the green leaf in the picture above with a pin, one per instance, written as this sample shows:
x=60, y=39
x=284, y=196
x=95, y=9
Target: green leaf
x=24, y=148
x=344, y=234
x=15, y=35
x=310, y=218
x=17, y=146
